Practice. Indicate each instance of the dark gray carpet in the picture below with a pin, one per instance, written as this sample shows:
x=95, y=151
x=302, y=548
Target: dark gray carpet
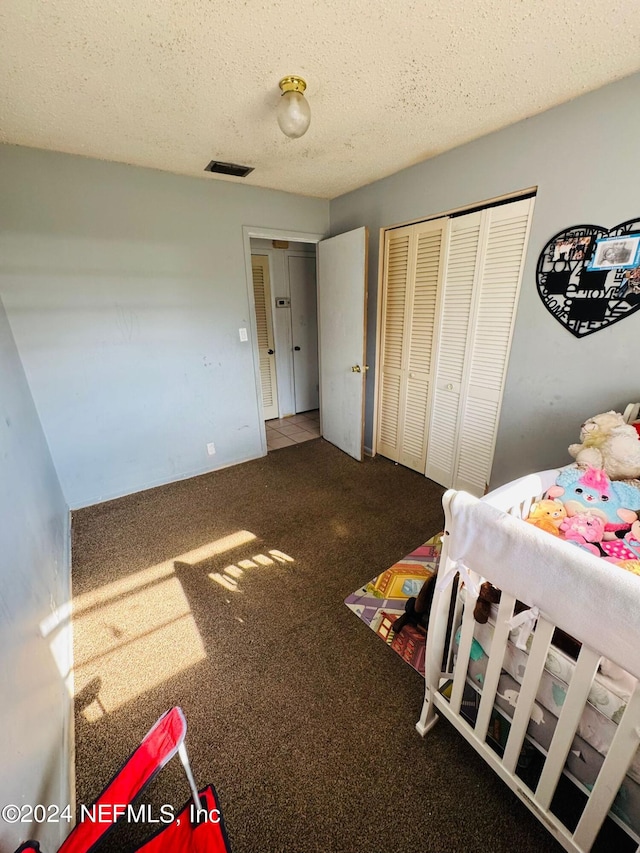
x=299, y=714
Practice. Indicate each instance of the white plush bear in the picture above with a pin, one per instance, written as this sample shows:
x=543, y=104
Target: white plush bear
x=608, y=442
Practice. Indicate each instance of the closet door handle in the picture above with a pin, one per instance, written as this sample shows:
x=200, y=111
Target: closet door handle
x=297, y=349
x=269, y=352
x=450, y=387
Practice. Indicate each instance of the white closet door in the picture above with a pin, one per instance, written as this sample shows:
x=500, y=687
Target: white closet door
x=500, y=274
x=412, y=275
x=458, y=289
x=397, y=264
x=264, y=325
x=480, y=296
x=419, y=342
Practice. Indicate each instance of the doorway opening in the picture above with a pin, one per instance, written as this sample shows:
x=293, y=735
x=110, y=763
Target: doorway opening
x=341, y=294
x=286, y=315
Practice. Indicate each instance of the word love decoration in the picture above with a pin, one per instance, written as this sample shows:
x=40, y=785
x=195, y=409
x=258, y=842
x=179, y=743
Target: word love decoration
x=578, y=281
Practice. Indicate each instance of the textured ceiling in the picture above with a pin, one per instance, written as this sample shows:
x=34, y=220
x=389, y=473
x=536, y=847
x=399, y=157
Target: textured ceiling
x=172, y=84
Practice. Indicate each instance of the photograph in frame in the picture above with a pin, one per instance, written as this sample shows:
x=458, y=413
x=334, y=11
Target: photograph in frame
x=572, y=248
x=630, y=285
x=616, y=253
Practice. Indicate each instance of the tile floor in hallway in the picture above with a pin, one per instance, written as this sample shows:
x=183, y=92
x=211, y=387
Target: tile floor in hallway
x=282, y=432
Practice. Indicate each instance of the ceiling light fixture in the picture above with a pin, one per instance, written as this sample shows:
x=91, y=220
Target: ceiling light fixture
x=294, y=114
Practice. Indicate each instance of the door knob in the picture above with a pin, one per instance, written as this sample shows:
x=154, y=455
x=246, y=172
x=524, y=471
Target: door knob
x=297, y=349
x=356, y=368
x=269, y=352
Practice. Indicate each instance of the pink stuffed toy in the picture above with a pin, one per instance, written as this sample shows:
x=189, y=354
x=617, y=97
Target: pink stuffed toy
x=584, y=529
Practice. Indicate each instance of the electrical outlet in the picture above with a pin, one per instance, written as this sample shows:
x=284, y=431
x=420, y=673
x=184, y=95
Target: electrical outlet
x=211, y=448
x=243, y=335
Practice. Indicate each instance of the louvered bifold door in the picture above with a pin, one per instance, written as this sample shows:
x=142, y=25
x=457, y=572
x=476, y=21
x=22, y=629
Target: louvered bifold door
x=264, y=328
x=506, y=230
x=457, y=299
x=429, y=249
x=397, y=264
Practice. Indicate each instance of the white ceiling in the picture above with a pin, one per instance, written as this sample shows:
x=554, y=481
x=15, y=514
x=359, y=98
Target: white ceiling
x=172, y=84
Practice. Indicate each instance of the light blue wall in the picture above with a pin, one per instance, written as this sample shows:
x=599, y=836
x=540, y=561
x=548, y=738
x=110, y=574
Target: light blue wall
x=583, y=157
x=35, y=707
x=125, y=289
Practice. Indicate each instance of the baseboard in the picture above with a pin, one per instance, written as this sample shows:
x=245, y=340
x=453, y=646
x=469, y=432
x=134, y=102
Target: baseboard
x=154, y=484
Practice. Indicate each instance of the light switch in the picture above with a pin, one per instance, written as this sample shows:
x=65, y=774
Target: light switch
x=243, y=335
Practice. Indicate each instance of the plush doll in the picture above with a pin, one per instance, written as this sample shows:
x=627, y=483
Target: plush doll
x=616, y=503
x=608, y=442
x=547, y=515
x=584, y=530
x=625, y=549
x=487, y=596
x=417, y=608
x=591, y=490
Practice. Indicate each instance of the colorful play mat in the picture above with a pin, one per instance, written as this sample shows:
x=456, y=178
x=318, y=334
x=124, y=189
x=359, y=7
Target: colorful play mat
x=380, y=602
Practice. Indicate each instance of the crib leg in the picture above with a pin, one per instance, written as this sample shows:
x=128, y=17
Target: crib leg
x=436, y=638
x=428, y=718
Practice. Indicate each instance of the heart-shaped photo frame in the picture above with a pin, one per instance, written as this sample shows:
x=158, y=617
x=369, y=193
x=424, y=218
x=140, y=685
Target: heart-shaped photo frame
x=586, y=300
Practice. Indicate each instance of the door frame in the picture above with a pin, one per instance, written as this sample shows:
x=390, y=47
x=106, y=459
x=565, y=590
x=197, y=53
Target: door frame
x=250, y=232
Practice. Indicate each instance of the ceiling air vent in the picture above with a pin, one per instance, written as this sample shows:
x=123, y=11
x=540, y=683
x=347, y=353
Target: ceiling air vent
x=228, y=169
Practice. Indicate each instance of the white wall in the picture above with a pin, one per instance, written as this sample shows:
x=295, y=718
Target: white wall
x=125, y=289
x=583, y=157
x=35, y=708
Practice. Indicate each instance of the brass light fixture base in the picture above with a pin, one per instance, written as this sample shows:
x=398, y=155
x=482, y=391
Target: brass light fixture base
x=292, y=84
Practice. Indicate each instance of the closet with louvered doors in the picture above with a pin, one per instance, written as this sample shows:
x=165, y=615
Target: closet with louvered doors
x=480, y=289
x=413, y=265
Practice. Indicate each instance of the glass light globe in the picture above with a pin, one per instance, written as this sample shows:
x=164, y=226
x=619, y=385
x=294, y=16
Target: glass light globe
x=293, y=114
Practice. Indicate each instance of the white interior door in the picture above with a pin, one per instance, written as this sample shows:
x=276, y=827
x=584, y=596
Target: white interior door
x=304, y=332
x=264, y=326
x=342, y=302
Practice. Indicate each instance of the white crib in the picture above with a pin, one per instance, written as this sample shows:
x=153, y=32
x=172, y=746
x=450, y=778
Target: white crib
x=572, y=590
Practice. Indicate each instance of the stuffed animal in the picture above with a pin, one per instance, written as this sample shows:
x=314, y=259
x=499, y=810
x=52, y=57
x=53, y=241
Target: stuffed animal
x=616, y=504
x=487, y=596
x=625, y=549
x=608, y=442
x=547, y=515
x=591, y=490
x=417, y=608
x=584, y=529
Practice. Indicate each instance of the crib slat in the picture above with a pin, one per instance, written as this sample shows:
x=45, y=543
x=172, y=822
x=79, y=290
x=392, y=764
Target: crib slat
x=494, y=667
x=572, y=709
x=528, y=690
x=623, y=747
x=458, y=604
x=464, y=648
